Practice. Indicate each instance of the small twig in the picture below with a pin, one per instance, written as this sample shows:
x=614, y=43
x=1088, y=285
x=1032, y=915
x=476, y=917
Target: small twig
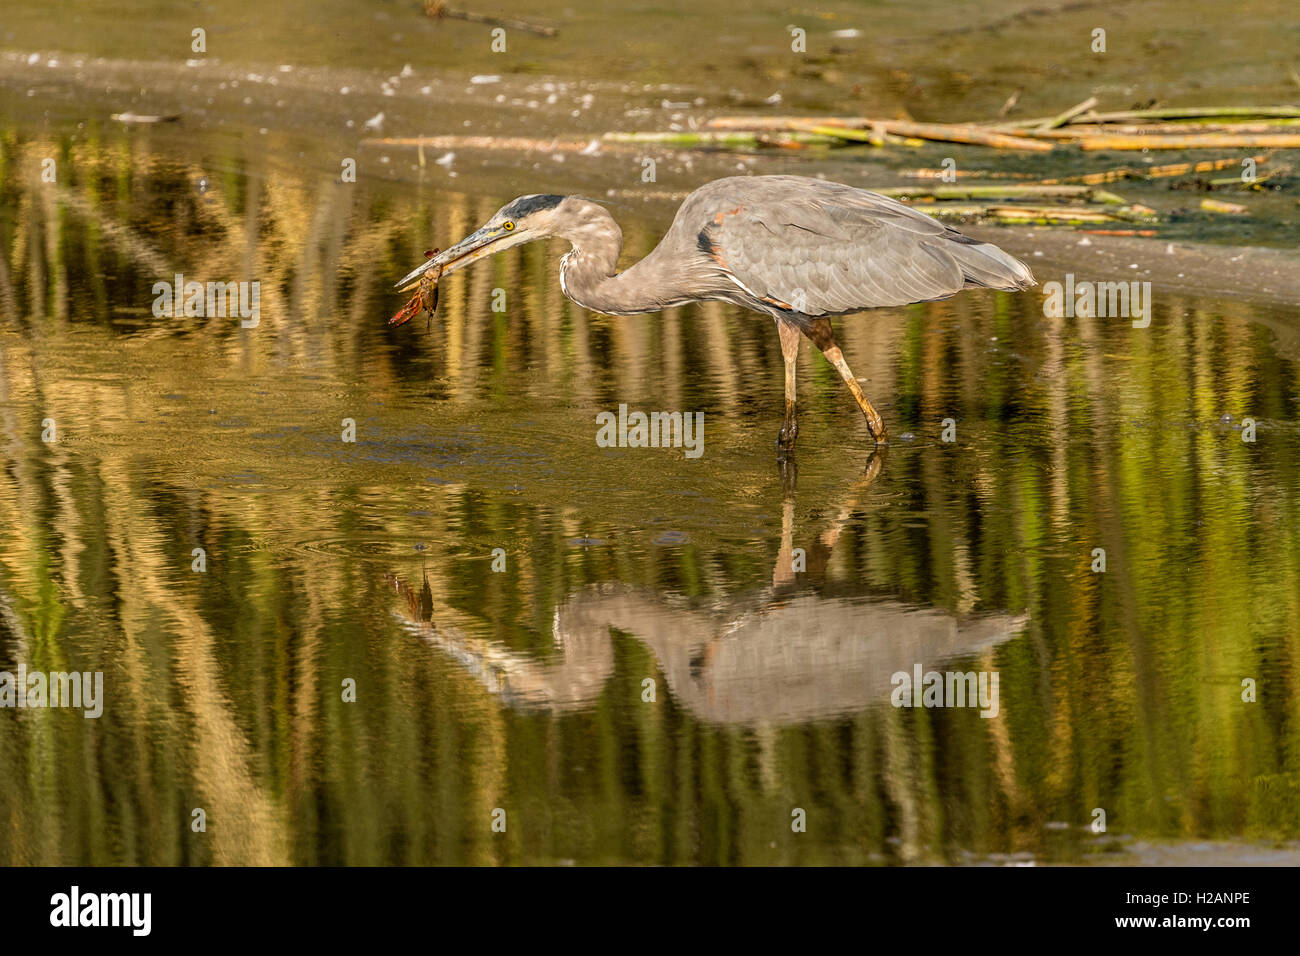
x=1120, y=232
x=1152, y=172
x=1020, y=215
x=723, y=138
x=1228, y=208
x=490, y=142
x=1005, y=191
x=864, y=130
x=1062, y=118
x=134, y=118
x=1009, y=105
x=439, y=10
x=943, y=174
x=1236, y=182
x=1077, y=131
x=1196, y=112
x=1206, y=141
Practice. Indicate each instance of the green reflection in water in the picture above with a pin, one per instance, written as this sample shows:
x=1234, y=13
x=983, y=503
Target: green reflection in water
x=523, y=689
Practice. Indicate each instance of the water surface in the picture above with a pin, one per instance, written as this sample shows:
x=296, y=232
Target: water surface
x=371, y=561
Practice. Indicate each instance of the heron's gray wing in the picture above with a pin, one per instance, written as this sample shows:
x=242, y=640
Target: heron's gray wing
x=834, y=249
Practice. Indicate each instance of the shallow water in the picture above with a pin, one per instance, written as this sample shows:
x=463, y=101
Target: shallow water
x=525, y=689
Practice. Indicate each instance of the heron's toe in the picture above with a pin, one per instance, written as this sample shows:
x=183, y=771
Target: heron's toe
x=789, y=432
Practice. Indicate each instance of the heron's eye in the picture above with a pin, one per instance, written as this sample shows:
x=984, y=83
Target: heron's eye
x=507, y=226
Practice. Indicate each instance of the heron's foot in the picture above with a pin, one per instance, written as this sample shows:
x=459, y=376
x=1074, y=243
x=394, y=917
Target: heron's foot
x=785, y=440
x=789, y=431
x=875, y=424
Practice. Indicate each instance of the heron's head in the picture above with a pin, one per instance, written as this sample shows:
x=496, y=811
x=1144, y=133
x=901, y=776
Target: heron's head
x=519, y=221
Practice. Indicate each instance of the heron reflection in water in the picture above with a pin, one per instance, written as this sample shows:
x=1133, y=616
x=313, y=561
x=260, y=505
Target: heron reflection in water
x=798, y=249
x=779, y=655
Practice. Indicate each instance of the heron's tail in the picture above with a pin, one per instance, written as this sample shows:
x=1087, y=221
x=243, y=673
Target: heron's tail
x=985, y=266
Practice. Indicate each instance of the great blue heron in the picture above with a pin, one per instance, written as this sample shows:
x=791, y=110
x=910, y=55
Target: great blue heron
x=800, y=250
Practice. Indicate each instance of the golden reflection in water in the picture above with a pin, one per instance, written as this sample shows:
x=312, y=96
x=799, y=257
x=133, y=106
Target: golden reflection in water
x=1119, y=690
x=779, y=655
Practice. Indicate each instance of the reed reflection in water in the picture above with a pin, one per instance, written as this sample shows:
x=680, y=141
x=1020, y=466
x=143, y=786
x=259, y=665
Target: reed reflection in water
x=1119, y=690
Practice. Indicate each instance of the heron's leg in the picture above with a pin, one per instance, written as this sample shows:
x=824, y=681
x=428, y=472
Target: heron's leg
x=819, y=330
x=789, y=333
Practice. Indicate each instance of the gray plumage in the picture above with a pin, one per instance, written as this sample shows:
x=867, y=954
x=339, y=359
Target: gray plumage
x=797, y=249
x=844, y=249
x=796, y=246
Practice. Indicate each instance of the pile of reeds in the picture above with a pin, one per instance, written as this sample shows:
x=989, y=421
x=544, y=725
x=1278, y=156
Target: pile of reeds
x=1072, y=200
x=1011, y=204
x=1195, y=127
x=1212, y=127
x=1066, y=200
x=1069, y=200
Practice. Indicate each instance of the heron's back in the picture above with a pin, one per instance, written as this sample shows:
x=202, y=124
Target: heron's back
x=812, y=247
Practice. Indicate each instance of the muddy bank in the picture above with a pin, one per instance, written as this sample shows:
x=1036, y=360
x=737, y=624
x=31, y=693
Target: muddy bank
x=1262, y=275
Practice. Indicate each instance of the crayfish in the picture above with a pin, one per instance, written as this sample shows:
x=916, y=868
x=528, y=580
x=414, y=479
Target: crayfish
x=426, y=296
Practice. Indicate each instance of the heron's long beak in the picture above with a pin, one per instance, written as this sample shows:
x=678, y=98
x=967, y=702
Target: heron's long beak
x=485, y=242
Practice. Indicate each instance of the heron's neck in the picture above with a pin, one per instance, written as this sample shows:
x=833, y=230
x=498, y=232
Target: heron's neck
x=588, y=273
